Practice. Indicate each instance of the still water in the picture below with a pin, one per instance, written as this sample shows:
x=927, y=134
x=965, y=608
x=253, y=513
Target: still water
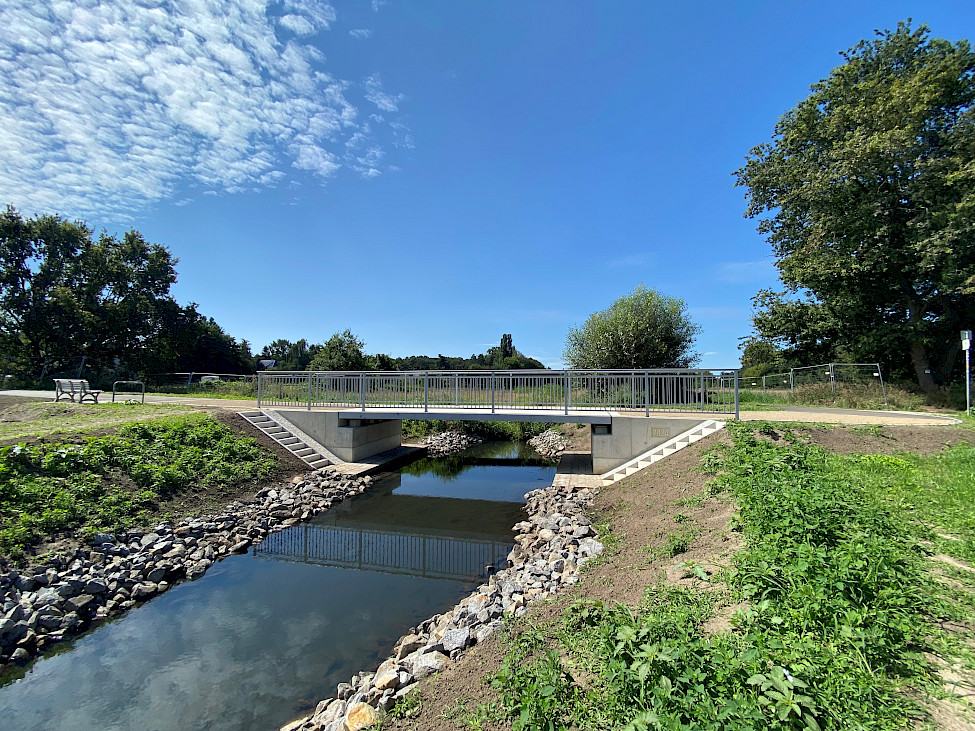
x=263, y=636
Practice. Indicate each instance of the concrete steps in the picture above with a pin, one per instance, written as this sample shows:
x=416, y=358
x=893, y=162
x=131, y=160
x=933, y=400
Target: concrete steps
x=286, y=439
x=664, y=450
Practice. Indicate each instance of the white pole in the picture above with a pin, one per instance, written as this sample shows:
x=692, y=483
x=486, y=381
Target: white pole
x=966, y=344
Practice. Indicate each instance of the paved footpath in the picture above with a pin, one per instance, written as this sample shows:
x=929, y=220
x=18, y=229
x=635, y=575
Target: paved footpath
x=847, y=416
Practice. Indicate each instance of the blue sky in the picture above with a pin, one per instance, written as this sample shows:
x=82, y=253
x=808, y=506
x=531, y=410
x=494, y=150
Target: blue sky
x=429, y=174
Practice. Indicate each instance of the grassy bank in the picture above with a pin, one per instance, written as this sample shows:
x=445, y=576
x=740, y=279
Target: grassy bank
x=104, y=483
x=32, y=419
x=832, y=605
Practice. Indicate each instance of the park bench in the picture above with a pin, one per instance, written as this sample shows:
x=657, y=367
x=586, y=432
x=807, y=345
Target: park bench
x=72, y=387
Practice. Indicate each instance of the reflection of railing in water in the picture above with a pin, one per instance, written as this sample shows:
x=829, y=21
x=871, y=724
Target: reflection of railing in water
x=432, y=556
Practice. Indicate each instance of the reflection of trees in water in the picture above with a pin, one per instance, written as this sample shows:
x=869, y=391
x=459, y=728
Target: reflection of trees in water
x=486, y=454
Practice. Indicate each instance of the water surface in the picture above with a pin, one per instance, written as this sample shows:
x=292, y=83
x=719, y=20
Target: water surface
x=262, y=637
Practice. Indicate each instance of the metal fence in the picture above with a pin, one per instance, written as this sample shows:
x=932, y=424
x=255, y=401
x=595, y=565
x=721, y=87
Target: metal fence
x=694, y=390
x=832, y=374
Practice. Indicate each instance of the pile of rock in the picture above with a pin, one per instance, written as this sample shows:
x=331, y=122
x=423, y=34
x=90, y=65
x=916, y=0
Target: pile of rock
x=449, y=442
x=550, y=547
x=47, y=603
x=549, y=444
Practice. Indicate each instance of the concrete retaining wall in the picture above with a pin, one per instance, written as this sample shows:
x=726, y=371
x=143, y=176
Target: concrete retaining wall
x=628, y=437
x=348, y=439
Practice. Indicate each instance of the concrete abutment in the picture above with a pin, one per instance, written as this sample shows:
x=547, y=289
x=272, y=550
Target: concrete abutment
x=616, y=439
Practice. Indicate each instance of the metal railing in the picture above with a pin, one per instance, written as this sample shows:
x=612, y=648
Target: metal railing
x=650, y=391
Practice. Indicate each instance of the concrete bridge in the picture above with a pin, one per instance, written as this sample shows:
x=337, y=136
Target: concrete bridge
x=356, y=415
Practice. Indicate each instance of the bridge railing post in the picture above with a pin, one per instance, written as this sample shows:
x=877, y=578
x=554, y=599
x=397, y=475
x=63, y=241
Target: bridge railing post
x=309, y=391
x=736, y=394
x=362, y=390
x=492, y=392
x=426, y=391
x=646, y=392
x=259, y=382
x=568, y=387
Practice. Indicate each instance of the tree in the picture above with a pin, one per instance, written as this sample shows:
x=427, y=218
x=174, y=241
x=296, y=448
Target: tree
x=64, y=295
x=507, y=346
x=290, y=356
x=867, y=196
x=341, y=352
x=381, y=362
x=643, y=329
x=760, y=357
x=803, y=331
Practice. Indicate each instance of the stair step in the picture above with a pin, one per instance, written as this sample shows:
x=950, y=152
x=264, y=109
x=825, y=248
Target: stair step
x=304, y=452
x=664, y=450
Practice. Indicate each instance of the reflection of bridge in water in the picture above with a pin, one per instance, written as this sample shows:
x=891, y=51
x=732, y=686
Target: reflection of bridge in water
x=430, y=553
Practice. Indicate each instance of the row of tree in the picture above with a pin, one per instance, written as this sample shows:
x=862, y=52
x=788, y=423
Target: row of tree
x=70, y=300
x=72, y=303
x=75, y=304
x=344, y=351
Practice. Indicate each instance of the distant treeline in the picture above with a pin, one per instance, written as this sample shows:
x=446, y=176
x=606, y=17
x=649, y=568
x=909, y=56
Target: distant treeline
x=345, y=352
x=75, y=304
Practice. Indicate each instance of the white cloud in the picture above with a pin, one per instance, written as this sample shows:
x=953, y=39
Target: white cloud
x=360, y=34
x=107, y=106
x=741, y=272
x=375, y=94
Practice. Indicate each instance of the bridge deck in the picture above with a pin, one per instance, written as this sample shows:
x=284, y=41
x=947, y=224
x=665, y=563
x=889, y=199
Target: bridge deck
x=478, y=414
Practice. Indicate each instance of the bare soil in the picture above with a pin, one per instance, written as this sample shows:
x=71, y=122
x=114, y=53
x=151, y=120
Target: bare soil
x=923, y=440
x=579, y=436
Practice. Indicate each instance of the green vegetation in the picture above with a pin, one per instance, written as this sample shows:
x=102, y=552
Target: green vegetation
x=345, y=351
x=643, y=329
x=65, y=294
x=42, y=418
x=836, y=606
x=867, y=197
x=112, y=482
x=844, y=396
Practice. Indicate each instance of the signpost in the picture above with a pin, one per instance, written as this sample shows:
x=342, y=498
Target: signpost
x=966, y=345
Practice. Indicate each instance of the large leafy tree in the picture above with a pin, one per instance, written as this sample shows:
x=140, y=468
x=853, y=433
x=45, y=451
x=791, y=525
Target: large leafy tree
x=643, y=329
x=867, y=196
x=64, y=294
x=341, y=352
x=290, y=356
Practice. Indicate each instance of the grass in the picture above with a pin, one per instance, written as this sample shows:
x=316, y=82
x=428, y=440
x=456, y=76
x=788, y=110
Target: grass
x=839, y=604
x=846, y=396
x=40, y=419
x=108, y=483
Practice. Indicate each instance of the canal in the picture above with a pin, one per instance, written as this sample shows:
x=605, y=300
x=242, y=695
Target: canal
x=263, y=636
